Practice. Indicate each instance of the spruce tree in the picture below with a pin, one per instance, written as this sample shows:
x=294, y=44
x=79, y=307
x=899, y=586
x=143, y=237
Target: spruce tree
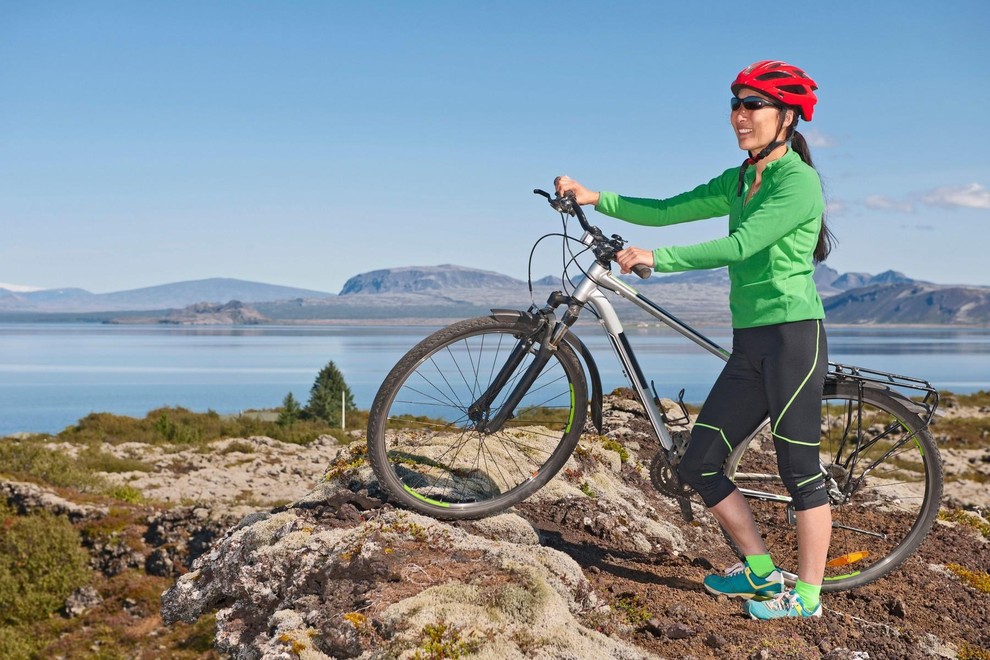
x=325, y=395
x=290, y=411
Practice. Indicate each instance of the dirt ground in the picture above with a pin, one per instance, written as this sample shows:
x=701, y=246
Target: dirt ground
x=920, y=610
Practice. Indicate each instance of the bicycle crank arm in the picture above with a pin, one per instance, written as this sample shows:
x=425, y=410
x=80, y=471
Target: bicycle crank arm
x=876, y=535
x=760, y=495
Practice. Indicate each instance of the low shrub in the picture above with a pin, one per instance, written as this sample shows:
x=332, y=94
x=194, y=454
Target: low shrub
x=29, y=459
x=41, y=563
x=182, y=427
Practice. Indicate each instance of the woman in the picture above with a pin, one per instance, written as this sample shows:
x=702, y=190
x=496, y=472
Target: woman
x=779, y=356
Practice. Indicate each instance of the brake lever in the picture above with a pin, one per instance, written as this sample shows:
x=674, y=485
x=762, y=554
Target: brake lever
x=560, y=204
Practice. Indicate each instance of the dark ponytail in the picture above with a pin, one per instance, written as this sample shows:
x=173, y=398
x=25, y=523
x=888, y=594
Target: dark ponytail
x=826, y=239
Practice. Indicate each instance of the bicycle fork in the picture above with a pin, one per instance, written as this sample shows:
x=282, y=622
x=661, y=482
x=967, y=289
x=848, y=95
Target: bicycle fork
x=479, y=412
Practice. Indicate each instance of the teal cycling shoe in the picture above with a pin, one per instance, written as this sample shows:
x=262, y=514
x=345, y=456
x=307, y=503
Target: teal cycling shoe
x=739, y=581
x=786, y=604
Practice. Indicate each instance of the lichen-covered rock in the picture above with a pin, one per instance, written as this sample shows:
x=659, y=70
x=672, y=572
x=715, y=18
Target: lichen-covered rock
x=311, y=581
x=25, y=497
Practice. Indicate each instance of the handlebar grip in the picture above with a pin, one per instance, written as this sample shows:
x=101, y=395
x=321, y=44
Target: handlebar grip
x=643, y=271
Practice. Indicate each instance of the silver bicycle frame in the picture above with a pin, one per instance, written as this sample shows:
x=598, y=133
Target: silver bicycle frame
x=589, y=292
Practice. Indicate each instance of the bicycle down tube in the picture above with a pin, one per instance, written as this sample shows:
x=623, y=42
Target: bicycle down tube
x=589, y=291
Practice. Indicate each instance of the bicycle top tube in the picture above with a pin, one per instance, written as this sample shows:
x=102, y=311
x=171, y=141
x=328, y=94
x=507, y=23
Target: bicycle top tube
x=601, y=278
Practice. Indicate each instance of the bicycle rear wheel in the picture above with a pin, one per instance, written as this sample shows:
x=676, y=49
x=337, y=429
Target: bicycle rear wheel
x=886, y=485
x=428, y=452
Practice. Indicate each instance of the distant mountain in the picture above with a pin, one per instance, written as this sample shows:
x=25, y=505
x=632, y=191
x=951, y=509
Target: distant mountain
x=435, y=293
x=232, y=313
x=166, y=296
x=911, y=302
x=426, y=279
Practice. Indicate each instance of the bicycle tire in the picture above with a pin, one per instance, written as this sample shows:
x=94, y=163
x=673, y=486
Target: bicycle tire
x=430, y=457
x=898, y=499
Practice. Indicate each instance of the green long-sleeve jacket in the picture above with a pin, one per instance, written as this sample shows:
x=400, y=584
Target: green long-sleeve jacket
x=771, y=241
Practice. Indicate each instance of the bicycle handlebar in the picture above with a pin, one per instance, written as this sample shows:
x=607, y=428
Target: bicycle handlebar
x=604, y=248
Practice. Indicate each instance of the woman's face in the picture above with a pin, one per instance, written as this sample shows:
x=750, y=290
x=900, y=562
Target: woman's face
x=756, y=129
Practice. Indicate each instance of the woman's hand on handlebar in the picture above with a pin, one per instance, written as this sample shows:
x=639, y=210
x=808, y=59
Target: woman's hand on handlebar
x=565, y=184
x=633, y=256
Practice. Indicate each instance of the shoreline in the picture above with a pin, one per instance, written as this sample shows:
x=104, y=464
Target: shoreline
x=427, y=321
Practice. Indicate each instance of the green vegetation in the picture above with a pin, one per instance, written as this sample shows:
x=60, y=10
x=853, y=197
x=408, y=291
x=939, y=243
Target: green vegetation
x=961, y=432
x=614, y=445
x=182, y=427
x=555, y=419
x=968, y=652
x=979, y=580
x=963, y=518
x=329, y=397
x=291, y=411
x=440, y=641
x=632, y=609
x=981, y=398
x=41, y=563
x=30, y=460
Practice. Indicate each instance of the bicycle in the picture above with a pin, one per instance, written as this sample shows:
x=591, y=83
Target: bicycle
x=481, y=414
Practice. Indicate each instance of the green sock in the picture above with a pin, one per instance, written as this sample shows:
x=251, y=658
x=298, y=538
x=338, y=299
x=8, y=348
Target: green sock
x=761, y=565
x=809, y=594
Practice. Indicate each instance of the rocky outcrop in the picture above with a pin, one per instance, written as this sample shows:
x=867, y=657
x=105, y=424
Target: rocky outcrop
x=295, y=559
x=327, y=578
x=338, y=574
x=251, y=472
x=25, y=497
x=203, y=313
x=231, y=313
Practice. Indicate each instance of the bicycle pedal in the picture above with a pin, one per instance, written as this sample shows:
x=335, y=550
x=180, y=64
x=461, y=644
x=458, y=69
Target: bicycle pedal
x=686, y=511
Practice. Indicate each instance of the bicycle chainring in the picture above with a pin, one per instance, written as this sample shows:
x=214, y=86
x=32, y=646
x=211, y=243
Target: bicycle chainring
x=663, y=476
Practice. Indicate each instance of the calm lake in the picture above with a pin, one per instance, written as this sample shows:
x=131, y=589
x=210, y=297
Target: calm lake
x=53, y=374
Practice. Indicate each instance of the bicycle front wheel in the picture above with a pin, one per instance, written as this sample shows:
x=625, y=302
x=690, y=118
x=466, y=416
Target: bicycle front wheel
x=428, y=444
x=885, y=480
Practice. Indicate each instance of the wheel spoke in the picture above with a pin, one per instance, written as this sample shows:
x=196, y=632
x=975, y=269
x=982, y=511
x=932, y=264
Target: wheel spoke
x=887, y=482
x=433, y=457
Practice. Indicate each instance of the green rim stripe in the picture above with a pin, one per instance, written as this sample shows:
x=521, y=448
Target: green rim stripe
x=917, y=442
x=841, y=577
x=808, y=481
x=425, y=499
x=570, y=417
x=708, y=474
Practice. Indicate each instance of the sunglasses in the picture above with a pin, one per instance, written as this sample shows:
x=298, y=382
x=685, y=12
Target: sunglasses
x=750, y=103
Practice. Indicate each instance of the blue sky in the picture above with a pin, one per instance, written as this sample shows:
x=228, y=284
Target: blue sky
x=300, y=143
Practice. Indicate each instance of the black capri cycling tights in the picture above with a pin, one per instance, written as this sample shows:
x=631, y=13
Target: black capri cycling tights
x=776, y=370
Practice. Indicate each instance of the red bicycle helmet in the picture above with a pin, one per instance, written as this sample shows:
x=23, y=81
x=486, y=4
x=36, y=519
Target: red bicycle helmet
x=779, y=80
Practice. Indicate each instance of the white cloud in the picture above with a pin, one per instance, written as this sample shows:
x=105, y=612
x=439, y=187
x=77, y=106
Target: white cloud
x=884, y=203
x=835, y=207
x=19, y=288
x=817, y=139
x=970, y=196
